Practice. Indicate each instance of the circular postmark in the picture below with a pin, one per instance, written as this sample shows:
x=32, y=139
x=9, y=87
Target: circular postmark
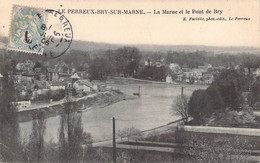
x=57, y=34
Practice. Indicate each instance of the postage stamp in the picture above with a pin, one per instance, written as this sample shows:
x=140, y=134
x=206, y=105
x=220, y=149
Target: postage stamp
x=46, y=32
x=25, y=30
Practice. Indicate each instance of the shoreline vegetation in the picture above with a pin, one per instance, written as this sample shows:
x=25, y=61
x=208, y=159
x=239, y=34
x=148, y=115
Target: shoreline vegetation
x=96, y=100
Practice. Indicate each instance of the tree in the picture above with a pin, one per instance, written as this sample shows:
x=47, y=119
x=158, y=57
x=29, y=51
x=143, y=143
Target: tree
x=250, y=62
x=256, y=91
x=231, y=84
x=99, y=69
x=130, y=132
x=9, y=127
x=127, y=60
x=203, y=103
x=180, y=107
x=198, y=106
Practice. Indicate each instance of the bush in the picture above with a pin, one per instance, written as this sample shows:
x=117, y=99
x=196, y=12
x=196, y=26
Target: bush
x=234, y=118
x=130, y=133
x=204, y=148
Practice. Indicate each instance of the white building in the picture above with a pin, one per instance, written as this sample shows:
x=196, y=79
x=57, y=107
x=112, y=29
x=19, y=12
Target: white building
x=168, y=79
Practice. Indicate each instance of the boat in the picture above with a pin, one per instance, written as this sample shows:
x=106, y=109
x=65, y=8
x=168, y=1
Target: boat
x=138, y=94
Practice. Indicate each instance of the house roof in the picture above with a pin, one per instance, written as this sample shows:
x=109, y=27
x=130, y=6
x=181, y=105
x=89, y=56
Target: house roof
x=75, y=76
x=51, y=70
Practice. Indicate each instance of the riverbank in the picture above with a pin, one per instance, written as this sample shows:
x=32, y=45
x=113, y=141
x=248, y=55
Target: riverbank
x=130, y=80
x=98, y=99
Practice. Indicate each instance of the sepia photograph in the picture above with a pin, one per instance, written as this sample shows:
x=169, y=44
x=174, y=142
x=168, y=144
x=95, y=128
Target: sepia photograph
x=137, y=81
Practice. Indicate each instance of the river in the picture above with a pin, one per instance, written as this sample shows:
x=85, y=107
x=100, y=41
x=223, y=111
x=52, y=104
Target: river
x=153, y=108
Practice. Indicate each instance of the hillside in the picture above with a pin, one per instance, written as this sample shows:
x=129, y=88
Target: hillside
x=96, y=47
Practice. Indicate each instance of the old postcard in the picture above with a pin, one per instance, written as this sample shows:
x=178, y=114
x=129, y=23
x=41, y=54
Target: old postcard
x=130, y=81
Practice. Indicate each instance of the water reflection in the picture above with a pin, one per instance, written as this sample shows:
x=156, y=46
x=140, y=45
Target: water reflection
x=71, y=135
x=36, y=143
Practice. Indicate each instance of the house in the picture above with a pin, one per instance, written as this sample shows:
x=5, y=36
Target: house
x=174, y=67
x=257, y=72
x=207, y=78
x=82, y=74
x=52, y=74
x=63, y=76
x=148, y=62
x=158, y=64
x=40, y=73
x=22, y=104
x=41, y=87
x=180, y=77
x=56, y=85
x=25, y=66
x=83, y=86
x=62, y=67
x=69, y=82
x=168, y=79
x=27, y=77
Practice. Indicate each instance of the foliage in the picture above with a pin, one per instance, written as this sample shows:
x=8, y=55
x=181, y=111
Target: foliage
x=9, y=127
x=192, y=60
x=202, y=148
x=224, y=93
x=231, y=84
x=99, y=69
x=55, y=95
x=121, y=61
x=203, y=103
x=131, y=133
x=250, y=62
x=152, y=73
x=234, y=118
x=256, y=91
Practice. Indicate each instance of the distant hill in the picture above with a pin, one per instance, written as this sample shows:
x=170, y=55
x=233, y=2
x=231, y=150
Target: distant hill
x=96, y=47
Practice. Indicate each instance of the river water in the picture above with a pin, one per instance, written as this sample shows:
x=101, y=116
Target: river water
x=153, y=108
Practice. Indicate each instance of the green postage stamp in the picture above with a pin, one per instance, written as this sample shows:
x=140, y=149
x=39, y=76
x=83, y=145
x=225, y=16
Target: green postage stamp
x=25, y=31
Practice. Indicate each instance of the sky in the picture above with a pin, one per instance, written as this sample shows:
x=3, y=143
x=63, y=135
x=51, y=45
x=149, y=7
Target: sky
x=160, y=29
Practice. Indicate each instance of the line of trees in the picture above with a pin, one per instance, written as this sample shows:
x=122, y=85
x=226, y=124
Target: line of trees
x=124, y=61
x=199, y=58
x=225, y=93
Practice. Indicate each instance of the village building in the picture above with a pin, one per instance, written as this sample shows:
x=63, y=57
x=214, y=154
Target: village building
x=57, y=85
x=27, y=77
x=25, y=66
x=168, y=79
x=84, y=86
x=53, y=75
